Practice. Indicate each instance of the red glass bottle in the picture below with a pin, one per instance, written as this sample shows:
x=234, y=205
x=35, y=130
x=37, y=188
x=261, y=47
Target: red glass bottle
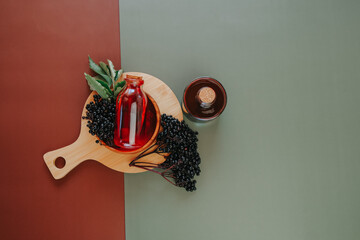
x=130, y=115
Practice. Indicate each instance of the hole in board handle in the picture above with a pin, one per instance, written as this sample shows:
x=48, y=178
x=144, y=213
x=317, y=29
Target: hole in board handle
x=60, y=162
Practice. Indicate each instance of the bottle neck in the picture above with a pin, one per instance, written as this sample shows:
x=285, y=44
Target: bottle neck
x=134, y=81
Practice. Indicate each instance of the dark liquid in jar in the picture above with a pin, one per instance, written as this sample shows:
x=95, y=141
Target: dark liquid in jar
x=192, y=105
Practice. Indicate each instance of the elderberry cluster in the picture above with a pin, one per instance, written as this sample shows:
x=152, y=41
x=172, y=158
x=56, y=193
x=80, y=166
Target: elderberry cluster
x=177, y=142
x=101, y=119
x=183, y=160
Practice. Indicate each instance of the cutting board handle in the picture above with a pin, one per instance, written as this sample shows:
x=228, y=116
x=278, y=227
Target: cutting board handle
x=71, y=156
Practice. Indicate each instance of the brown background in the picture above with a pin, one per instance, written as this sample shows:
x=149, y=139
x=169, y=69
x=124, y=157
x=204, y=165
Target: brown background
x=44, y=48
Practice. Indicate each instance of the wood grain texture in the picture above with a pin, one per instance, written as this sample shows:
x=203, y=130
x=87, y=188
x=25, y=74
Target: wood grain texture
x=85, y=148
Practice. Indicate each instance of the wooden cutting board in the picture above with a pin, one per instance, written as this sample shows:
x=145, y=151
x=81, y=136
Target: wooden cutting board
x=85, y=148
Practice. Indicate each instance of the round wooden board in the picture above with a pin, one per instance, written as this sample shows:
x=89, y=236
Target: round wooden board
x=85, y=148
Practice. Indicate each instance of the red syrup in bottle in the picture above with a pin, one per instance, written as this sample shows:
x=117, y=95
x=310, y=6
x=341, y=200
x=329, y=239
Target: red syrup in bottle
x=130, y=115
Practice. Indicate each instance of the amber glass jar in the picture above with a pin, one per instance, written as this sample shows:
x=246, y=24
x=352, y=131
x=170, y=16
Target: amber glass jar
x=204, y=99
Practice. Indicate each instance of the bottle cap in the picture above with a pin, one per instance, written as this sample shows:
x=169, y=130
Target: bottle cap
x=206, y=96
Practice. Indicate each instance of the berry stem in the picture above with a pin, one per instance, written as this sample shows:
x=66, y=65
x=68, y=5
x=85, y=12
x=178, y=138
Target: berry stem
x=142, y=153
x=168, y=180
x=148, y=169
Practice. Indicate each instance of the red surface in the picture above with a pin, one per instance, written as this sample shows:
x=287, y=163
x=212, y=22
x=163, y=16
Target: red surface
x=44, y=47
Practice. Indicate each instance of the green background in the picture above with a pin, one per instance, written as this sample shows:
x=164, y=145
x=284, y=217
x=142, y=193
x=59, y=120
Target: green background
x=283, y=160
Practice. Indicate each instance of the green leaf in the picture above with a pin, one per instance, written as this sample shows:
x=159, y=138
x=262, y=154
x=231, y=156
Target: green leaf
x=98, y=77
x=119, y=87
x=118, y=74
x=112, y=69
x=120, y=84
x=107, y=79
x=104, y=84
x=96, y=86
x=105, y=68
x=96, y=68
